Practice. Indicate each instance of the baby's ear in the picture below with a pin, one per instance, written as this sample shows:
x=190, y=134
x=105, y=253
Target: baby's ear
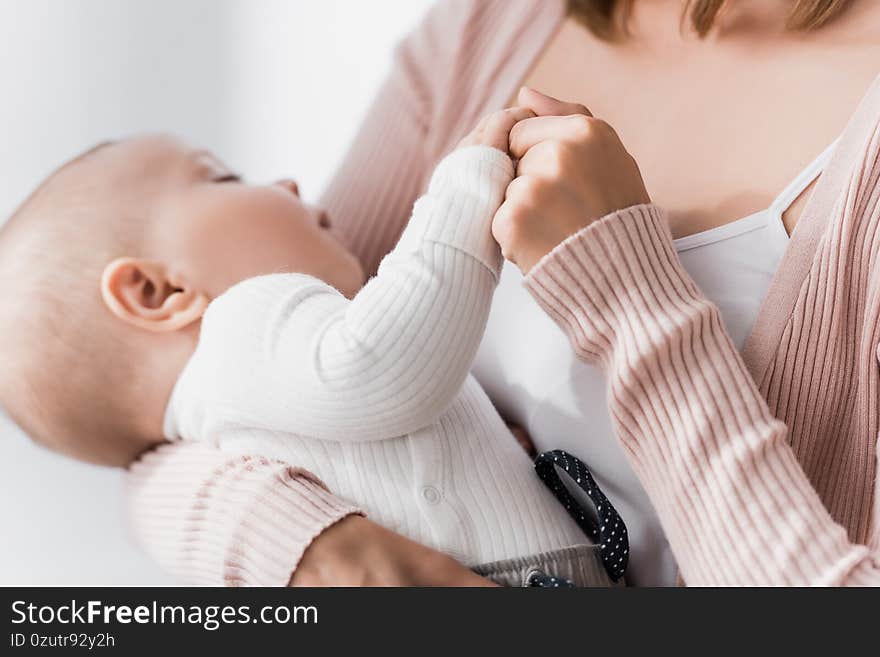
x=144, y=294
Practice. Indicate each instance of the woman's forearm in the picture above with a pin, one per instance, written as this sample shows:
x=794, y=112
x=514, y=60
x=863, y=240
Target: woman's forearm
x=735, y=504
x=214, y=519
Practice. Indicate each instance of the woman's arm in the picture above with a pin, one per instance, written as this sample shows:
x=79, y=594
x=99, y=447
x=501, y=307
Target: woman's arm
x=371, y=194
x=735, y=504
x=254, y=520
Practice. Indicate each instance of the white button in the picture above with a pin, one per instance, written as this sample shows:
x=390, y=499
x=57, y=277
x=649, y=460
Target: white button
x=431, y=494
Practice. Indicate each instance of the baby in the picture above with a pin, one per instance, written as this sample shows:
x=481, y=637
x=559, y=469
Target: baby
x=150, y=295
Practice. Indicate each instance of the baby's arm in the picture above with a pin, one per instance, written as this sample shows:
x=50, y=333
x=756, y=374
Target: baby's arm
x=390, y=360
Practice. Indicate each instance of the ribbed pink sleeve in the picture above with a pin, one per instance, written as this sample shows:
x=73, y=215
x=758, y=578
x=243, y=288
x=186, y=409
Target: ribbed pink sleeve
x=370, y=196
x=211, y=519
x=465, y=59
x=733, y=500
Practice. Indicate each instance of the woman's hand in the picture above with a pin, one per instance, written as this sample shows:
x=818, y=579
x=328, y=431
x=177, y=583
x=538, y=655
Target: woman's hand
x=523, y=439
x=358, y=552
x=572, y=170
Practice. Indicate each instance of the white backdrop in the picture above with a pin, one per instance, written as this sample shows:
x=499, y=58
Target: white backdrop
x=275, y=87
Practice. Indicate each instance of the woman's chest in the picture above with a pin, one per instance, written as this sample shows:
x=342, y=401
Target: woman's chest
x=717, y=131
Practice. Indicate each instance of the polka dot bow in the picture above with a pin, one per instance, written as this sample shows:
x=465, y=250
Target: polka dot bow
x=610, y=531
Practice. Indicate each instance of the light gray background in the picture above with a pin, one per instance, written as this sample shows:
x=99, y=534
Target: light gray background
x=275, y=87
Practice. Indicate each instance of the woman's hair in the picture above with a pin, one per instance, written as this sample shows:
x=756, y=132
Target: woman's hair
x=607, y=18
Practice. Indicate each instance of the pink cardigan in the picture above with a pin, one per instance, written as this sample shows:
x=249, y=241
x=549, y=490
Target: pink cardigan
x=755, y=483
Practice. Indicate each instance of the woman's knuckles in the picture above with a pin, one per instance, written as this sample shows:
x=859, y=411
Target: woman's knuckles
x=579, y=128
x=557, y=159
x=535, y=192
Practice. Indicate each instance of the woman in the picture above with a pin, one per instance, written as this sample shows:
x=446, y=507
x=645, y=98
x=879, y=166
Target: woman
x=720, y=126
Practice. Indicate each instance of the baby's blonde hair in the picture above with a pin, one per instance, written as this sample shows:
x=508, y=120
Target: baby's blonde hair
x=66, y=367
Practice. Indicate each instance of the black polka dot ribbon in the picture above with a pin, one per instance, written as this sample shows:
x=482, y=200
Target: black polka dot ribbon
x=541, y=580
x=609, y=533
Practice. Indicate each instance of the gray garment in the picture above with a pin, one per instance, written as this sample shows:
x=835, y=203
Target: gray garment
x=579, y=563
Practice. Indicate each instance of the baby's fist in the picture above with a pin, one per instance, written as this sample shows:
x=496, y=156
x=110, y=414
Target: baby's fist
x=494, y=129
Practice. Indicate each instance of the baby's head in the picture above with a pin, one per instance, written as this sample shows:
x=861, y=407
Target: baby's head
x=106, y=271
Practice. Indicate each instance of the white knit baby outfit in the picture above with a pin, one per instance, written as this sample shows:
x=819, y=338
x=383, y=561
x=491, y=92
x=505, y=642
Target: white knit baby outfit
x=373, y=394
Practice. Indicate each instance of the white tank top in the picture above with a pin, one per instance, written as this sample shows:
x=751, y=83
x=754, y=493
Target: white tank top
x=530, y=372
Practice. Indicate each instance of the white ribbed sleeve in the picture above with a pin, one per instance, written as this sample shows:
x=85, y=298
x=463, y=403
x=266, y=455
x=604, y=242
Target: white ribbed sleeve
x=289, y=353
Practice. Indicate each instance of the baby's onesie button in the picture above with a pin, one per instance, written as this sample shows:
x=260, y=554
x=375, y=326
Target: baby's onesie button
x=431, y=494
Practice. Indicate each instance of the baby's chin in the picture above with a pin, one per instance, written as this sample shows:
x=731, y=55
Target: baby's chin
x=349, y=276
x=352, y=276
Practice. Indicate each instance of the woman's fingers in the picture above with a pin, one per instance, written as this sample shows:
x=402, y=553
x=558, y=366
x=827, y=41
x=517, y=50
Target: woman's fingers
x=555, y=119
x=544, y=105
x=529, y=132
x=544, y=160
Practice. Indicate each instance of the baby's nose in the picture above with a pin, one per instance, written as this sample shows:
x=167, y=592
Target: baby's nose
x=289, y=185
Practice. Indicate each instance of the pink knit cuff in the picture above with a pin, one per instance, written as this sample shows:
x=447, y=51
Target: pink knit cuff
x=278, y=526
x=603, y=284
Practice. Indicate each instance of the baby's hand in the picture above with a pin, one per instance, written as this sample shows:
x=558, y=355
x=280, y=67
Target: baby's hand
x=494, y=130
